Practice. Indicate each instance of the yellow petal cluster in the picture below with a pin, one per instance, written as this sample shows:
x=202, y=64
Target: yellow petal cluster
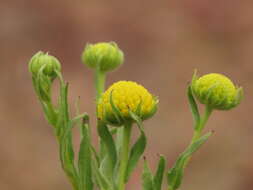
x=126, y=95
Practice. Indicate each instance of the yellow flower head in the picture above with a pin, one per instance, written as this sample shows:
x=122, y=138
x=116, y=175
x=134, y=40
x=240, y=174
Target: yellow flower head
x=216, y=91
x=125, y=96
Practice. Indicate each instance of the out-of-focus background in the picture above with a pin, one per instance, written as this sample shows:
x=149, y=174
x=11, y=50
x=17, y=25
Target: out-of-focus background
x=163, y=41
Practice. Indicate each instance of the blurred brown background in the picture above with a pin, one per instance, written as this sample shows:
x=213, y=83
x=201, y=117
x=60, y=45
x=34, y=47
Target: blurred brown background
x=163, y=41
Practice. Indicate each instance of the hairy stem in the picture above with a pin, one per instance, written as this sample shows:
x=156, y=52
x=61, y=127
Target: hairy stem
x=100, y=83
x=199, y=128
x=124, y=155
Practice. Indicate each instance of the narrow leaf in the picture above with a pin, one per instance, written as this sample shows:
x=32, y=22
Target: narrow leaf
x=135, y=154
x=147, y=177
x=84, y=161
x=193, y=106
x=100, y=179
x=158, y=178
x=107, y=139
x=64, y=135
x=137, y=149
x=175, y=174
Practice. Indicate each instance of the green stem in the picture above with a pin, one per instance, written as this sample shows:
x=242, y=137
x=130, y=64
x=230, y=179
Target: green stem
x=100, y=83
x=100, y=86
x=199, y=128
x=124, y=155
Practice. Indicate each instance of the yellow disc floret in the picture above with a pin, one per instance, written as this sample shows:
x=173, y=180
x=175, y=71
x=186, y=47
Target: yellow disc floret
x=216, y=91
x=125, y=96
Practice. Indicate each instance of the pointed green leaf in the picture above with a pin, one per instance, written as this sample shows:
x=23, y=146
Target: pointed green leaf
x=193, y=106
x=107, y=139
x=100, y=180
x=67, y=158
x=84, y=161
x=63, y=113
x=64, y=135
x=137, y=149
x=175, y=174
x=135, y=154
x=116, y=111
x=147, y=177
x=95, y=154
x=158, y=178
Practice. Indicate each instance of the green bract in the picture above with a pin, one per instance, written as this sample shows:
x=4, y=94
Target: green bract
x=216, y=91
x=47, y=63
x=103, y=56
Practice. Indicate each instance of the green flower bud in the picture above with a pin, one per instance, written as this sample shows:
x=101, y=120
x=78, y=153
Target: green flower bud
x=104, y=56
x=46, y=63
x=216, y=91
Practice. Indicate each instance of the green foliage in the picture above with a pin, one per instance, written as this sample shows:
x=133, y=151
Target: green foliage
x=138, y=148
x=85, y=158
x=158, y=178
x=111, y=167
x=175, y=174
x=147, y=177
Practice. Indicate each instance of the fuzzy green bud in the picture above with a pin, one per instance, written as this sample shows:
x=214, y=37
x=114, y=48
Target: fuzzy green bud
x=46, y=63
x=216, y=91
x=103, y=56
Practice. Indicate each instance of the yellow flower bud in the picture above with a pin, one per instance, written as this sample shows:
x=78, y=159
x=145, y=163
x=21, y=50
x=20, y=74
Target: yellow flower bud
x=216, y=91
x=103, y=56
x=49, y=64
x=126, y=96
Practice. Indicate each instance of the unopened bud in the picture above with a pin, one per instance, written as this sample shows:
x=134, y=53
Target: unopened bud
x=216, y=91
x=103, y=56
x=45, y=63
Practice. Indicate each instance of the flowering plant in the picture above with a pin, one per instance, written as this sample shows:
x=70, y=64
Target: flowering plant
x=122, y=105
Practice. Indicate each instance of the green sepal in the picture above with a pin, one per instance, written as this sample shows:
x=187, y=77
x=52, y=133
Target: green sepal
x=44, y=84
x=153, y=110
x=48, y=108
x=158, y=178
x=238, y=98
x=147, y=177
x=137, y=149
x=175, y=174
x=193, y=105
x=116, y=113
x=85, y=157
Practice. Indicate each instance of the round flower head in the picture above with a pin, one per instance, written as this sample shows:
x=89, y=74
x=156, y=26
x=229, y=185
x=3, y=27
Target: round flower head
x=49, y=64
x=122, y=98
x=103, y=56
x=216, y=91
